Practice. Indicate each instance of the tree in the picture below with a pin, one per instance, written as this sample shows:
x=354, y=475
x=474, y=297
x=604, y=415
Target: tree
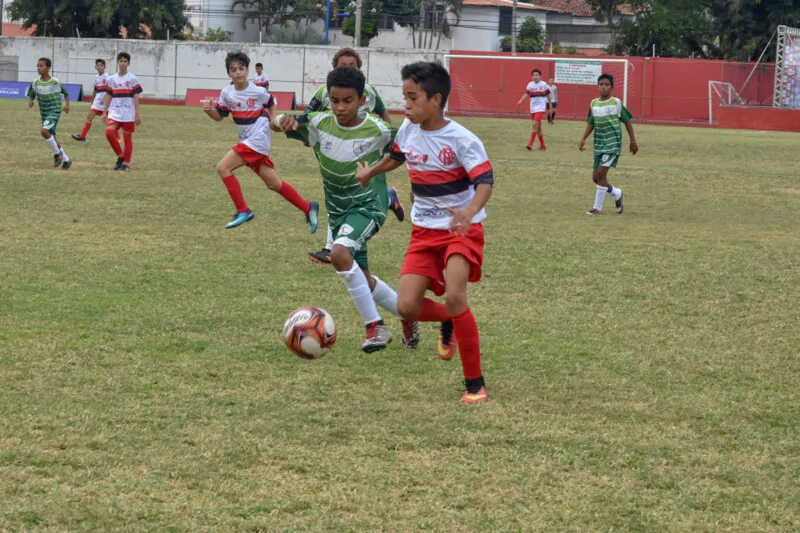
x=745, y=26
x=530, y=37
x=217, y=35
x=103, y=18
x=268, y=13
x=606, y=10
x=369, y=28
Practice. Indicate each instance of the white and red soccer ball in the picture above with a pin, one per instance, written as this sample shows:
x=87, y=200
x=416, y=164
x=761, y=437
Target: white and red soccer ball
x=309, y=332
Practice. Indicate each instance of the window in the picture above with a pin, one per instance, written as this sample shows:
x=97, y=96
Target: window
x=385, y=22
x=504, y=28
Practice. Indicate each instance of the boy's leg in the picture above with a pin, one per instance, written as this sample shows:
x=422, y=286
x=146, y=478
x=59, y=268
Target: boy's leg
x=602, y=182
x=67, y=162
x=290, y=194
x=230, y=162
x=466, y=329
x=50, y=139
x=87, y=125
x=112, y=134
x=323, y=257
x=128, y=150
x=533, y=133
x=541, y=135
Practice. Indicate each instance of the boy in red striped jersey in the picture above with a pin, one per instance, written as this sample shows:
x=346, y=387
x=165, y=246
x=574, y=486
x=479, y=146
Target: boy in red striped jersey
x=251, y=108
x=121, y=108
x=261, y=79
x=451, y=179
x=98, y=96
x=539, y=93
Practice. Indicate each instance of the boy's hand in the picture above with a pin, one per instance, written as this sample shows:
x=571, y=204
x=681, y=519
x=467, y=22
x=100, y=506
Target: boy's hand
x=66, y=107
x=363, y=173
x=209, y=104
x=582, y=145
x=288, y=123
x=462, y=220
x=634, y=147
x=30, y=102
x=138, y=119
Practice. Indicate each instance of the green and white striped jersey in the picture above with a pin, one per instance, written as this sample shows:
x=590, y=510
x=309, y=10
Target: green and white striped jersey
x=372, y=104
x=338, y=149
x=49, y=95
x=605, y=116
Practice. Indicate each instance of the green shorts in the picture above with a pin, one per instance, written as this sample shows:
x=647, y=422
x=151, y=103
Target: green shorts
x=605, y=160
x=353, y=233
x=50, y=125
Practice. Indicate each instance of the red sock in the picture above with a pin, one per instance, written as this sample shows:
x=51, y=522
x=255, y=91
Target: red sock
x=111, y=135
x=432, y=312
x=533, y=139
x=293, y=197
x=469, y=343
x=128, y=147
x=541, y=140
x=85, y=130
x=235, y=190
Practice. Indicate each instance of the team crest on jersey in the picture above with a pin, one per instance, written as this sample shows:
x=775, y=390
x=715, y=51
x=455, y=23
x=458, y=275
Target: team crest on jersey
x=251, y=102
x=345, y=230
x=360, y=148
x=127, y=83
x=447, y=156
x=416, y=158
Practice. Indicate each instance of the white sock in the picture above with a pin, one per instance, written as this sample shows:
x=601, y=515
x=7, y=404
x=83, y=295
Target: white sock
x=598, y=197
x=358, y=287
x=66, y=157
x=385, y=296
x=53, y=145
x=616, y=193
x=329, y=242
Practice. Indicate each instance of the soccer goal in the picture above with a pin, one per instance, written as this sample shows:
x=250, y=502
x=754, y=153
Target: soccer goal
x=722, y=93
x=488, y=85
x=787, y=69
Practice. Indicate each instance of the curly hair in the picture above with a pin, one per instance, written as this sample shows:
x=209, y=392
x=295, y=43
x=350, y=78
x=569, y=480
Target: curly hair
x=346, y=52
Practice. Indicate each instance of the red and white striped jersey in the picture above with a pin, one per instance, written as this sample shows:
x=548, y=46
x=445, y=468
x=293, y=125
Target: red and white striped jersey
x=261, y=80
x=100, y=90
x=538, y=92
x=122, y=89
x=444, y=166
x=249, y=110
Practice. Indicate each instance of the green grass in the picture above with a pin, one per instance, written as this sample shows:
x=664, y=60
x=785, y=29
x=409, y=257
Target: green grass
x=642, y=368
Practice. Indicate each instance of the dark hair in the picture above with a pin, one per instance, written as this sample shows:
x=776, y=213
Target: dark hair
x=605, y=76
x=259, y=65
x=103, y=61
x=431, y=76
x=346, y=52
x=126, y=55
x=536, y=70
x=236, y=57
x=46, y=61
x=347, y=78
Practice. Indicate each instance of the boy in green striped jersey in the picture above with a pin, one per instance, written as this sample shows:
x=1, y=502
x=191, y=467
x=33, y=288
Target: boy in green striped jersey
x=48, y=91
x=341, y=137
x=605, y=114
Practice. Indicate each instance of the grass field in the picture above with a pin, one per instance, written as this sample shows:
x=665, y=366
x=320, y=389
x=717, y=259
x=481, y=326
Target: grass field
x=643, y=369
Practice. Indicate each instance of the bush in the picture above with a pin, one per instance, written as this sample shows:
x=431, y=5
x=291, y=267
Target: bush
x=369, y=28
x=530, y=37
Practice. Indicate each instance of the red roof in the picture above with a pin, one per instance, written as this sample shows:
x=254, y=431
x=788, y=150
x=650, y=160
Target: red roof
x=510, y=3
x=15, y=30
x=578, y=8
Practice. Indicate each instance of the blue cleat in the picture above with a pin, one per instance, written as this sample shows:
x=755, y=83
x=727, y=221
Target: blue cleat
x=313, y=216
x=395, y=206
x=240, y=218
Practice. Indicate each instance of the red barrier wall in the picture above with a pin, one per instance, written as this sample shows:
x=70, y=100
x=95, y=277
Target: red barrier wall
x=659, y=89
x=749, y=118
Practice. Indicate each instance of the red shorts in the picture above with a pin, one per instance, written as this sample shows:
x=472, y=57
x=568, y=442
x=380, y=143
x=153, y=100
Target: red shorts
x=98, y=112
x=537, y=117
x=127, y=127
x=253, y=159
x=430, y=249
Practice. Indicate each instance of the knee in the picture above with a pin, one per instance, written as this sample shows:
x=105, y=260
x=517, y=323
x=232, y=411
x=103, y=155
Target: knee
x=273, y=185
x=45, y=133
x=409, y=309
x=341, y=259
x=222, y=170
x=456, y=303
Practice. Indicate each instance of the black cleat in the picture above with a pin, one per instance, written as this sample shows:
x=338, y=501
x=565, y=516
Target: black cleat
x=57, y=160
x=323, y=257
x=77, y=137
x=66, y=164
x=118, y=164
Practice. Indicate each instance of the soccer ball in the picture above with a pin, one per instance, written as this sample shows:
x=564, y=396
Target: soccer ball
x=309, y=332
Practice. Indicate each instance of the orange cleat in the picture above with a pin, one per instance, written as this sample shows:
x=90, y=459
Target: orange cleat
x=475, y=397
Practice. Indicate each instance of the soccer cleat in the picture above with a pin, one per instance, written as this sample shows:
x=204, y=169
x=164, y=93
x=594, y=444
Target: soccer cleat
x=479, y=396
x=323, y=257
x=313, y=216
x=66, y=164
x=446, y=347
x=529, y=147
x=124, y=168
x=378, y=337
x=594, y=211
x=118, y=164
x=410, y=334
x=395, y=206
x=57, y=160
x=78, y=137
x=240, y=218
x=619, y=203
x=543, y=148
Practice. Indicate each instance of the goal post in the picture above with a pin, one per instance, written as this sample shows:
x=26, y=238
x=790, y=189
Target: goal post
x=491, y=85
x=722, y=93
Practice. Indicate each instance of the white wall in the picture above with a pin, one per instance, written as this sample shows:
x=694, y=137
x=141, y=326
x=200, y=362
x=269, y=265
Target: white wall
x=479, y=28
x=167, y=69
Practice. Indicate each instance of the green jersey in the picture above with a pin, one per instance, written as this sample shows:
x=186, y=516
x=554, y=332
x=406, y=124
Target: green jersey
x=605, y=116
x=372, y=104
x=49, y=95
x=338, y=149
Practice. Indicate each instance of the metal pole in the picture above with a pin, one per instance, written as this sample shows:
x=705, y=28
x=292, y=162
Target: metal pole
x=710, y=105
x=625, y=89
x=359, y=7
x=327, y=19
x=514, y=28
x=2, y=11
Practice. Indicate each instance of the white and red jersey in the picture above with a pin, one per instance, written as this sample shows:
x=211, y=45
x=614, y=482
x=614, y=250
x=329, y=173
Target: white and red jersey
x=261, y=80
x=538, y=91
x=122, y=89
x=100, y=90
x=444, y=166
x=249, y=110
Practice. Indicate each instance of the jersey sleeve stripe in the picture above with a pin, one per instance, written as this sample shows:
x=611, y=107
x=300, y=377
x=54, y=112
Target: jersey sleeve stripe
x=396, y=153
x=479, y=170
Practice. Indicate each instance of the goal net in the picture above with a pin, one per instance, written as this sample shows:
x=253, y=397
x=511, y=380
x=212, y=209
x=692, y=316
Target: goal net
x=487, y=85
x=787, y=69
x=721, y=93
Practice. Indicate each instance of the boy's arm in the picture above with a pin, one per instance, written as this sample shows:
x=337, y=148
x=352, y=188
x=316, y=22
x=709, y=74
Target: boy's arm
x=365, y=173
x=31, y=94
x=586, y=133
x=212, y=108
x=136, y=108
x=106, y=102
x=462, y=218
x=522, y=99
x=634, y=144
x=66, y=101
